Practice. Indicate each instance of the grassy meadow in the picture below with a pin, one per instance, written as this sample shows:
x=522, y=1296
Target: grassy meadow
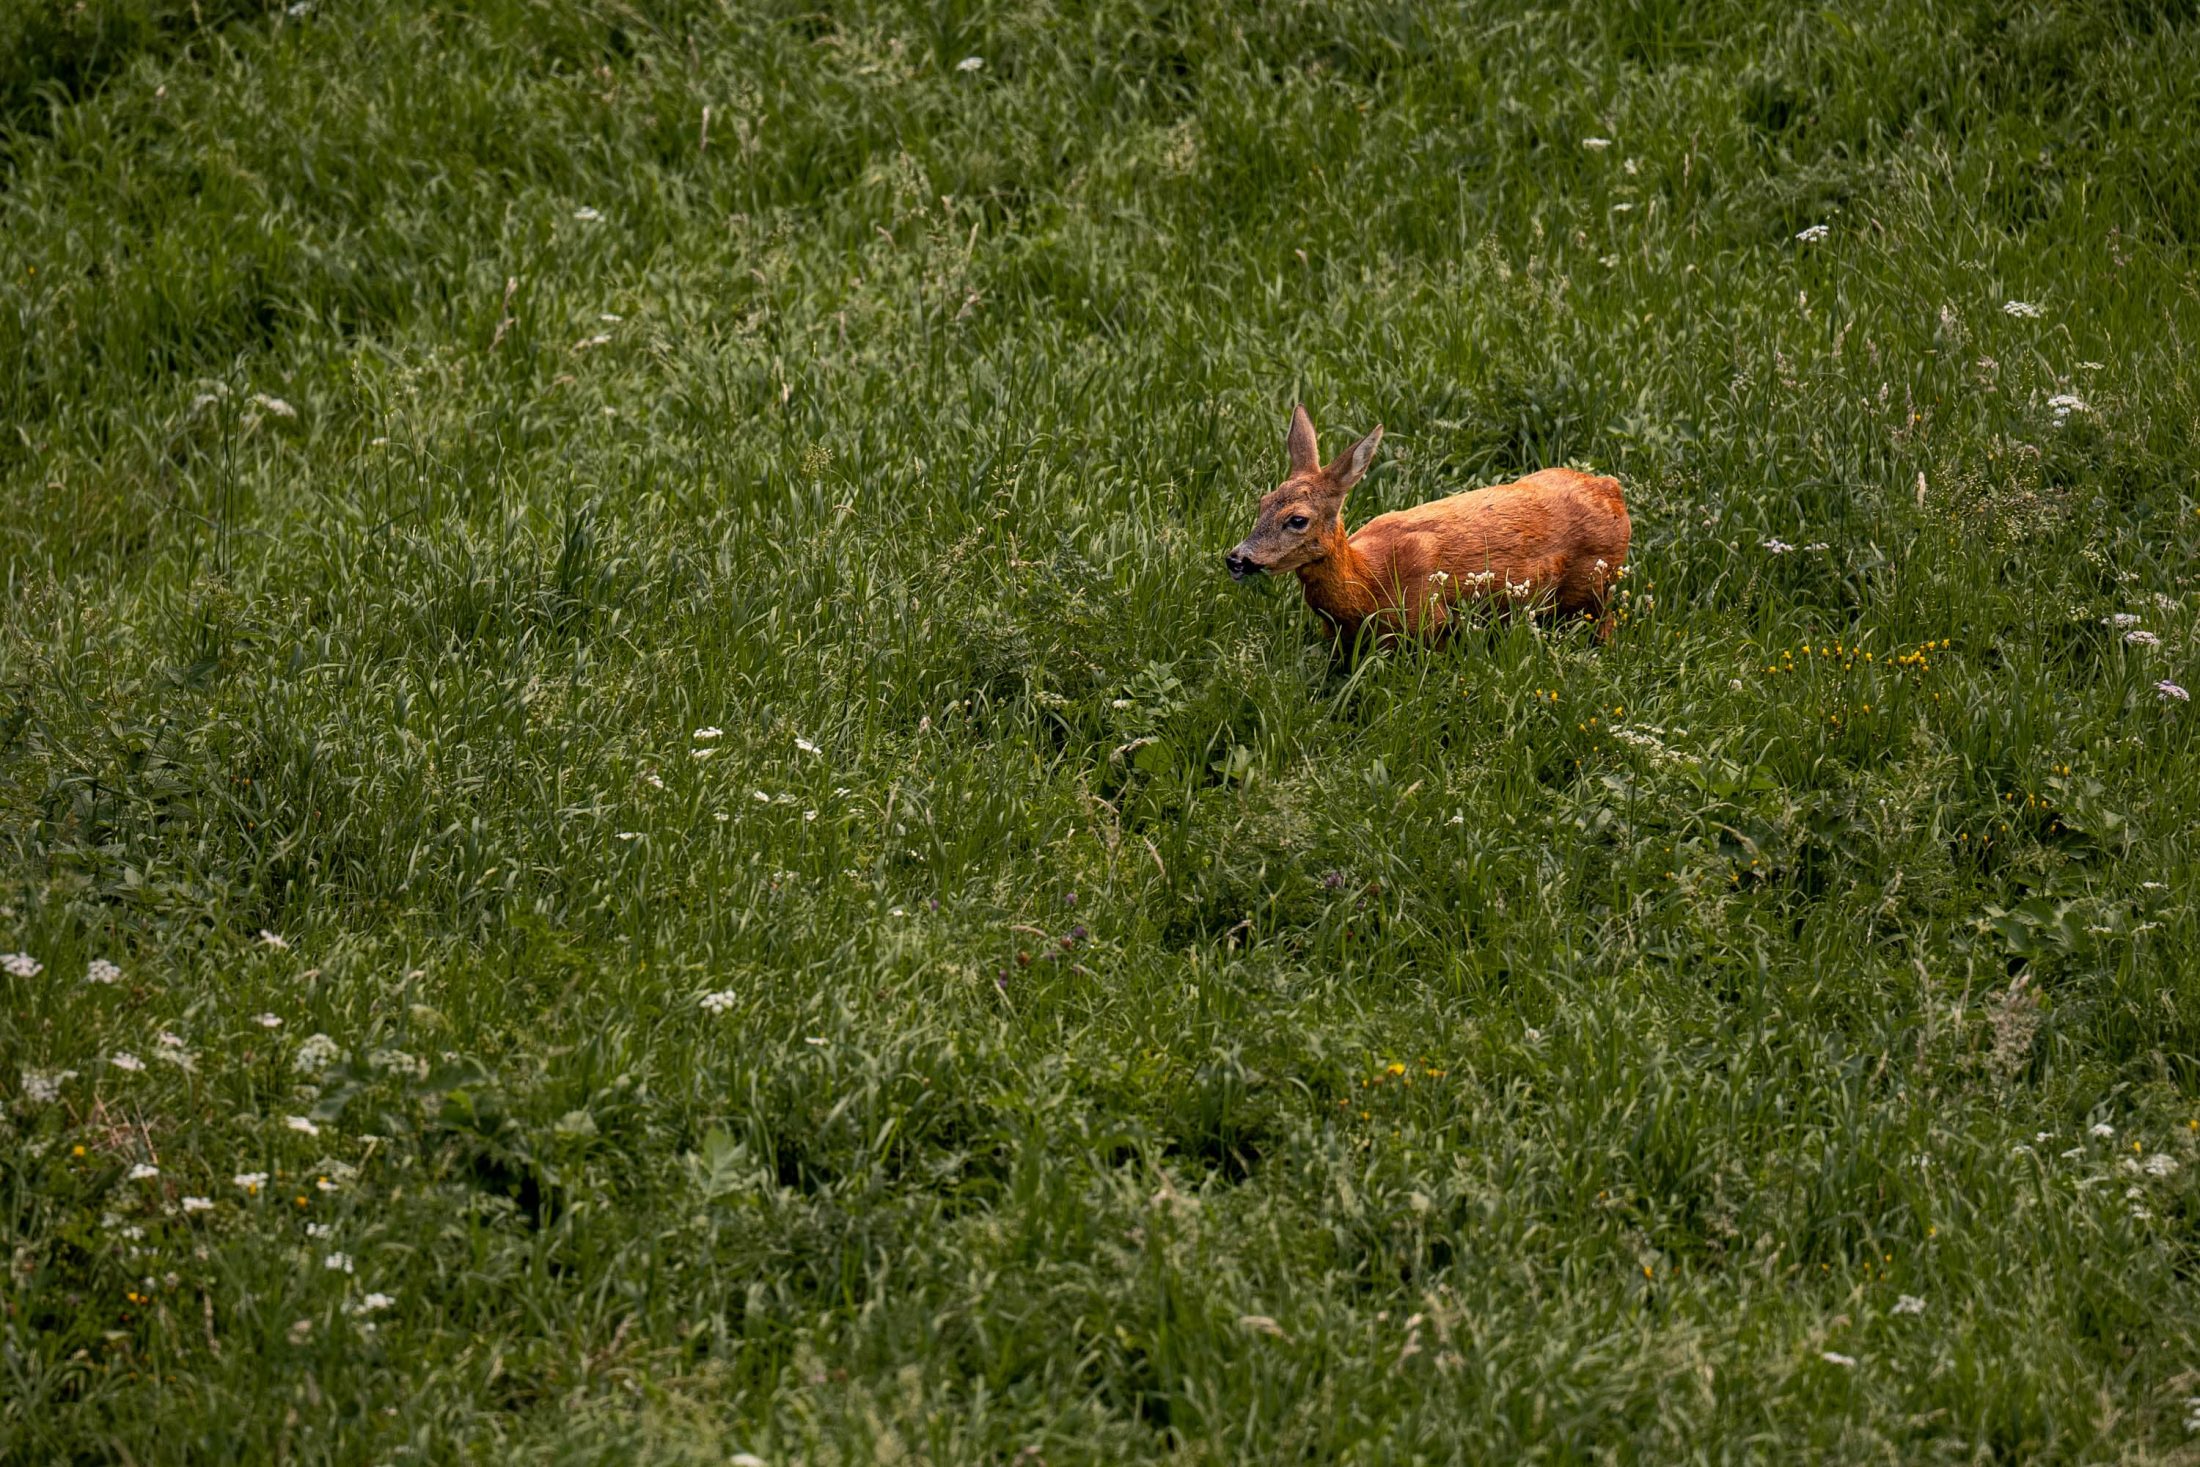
x=637, y=823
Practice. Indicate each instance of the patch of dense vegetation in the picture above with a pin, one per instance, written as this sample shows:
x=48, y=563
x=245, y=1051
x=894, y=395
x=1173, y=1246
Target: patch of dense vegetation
x=637, y=822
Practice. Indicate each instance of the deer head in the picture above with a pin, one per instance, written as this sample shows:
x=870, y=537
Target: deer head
x=1299, y=518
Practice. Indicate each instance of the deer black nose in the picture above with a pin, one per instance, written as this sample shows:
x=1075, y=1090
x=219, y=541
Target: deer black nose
x=1239, y=564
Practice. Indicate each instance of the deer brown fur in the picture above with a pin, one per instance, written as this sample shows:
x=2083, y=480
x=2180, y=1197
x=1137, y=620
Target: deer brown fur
x=1555, y=540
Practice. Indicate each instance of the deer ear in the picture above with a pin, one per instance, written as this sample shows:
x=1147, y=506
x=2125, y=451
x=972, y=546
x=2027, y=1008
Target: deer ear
x=1305, y=457
x=1353, y=462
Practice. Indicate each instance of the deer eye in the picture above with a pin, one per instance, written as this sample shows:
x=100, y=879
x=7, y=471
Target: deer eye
x=1297, y=522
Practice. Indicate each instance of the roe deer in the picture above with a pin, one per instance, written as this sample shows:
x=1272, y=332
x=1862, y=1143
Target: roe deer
x=1556, y=538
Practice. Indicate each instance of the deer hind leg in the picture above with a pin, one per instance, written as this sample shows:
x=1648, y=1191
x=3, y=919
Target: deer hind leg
x=1585, y=589
x=1598, y=613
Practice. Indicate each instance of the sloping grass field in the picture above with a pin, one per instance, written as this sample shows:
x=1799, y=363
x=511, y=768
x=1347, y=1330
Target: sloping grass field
x=636, y=822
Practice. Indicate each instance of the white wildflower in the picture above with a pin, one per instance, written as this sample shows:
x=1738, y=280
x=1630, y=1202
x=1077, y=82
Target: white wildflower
x=2160, y=1164
x=701, y=753
x=301, y=1331
x=99, y=970
x=804, y=745
x=269, y=939
x=1815, y=233
x=316, y=1054
x=274, y=405
x=268, y=1021
x=627, y=834
x=2122, y=619
x=1817, y=545
x=2063, y=404
x=760, y=797
x=22, y=965
x=654, y=780
x=719, y=1001
x=1777, y=546
x=373, y=1303
x=2140, y=637
x=43, y=1087
x=590, y=343
x=303, y=1125
x=122, y=1059
x=2075, y=1153
x=144, y=1172
x=1909, y=1304
x=971, y=63
x=2102, y=1129
x=252, y=1182
x=1835, y=1357
x=709, y=733
x=1596, y=145
x=198, y=1204
x=1651, y=740
x=586, y=215
x=2171, y=692
x=395, y=1059
x=337, y=1263
x=321, y=1230
x=2022, y=310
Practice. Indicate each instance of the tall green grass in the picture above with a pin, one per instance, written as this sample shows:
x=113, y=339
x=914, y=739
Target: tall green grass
x=1129, y=1032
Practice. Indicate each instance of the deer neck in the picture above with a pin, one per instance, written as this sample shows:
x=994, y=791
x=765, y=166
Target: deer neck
x=1341, y=584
